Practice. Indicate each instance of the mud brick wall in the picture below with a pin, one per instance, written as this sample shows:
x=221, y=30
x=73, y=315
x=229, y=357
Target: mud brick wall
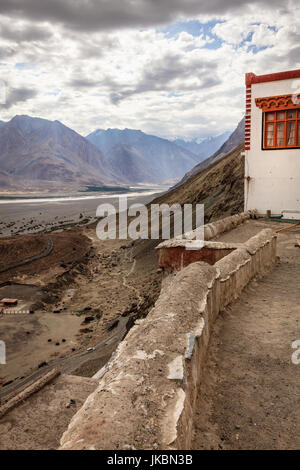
x=176, y=254
x=178, y=257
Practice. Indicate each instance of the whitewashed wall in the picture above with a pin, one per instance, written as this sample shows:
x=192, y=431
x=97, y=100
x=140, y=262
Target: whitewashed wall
x=274, y=174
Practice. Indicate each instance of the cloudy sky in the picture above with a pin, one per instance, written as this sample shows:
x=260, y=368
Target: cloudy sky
x=174, y=68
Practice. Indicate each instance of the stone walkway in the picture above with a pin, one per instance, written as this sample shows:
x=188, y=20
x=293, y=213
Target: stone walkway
x=250, y=398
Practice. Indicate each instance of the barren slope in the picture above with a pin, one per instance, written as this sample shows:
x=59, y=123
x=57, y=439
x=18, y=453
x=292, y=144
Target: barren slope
x=220, y=188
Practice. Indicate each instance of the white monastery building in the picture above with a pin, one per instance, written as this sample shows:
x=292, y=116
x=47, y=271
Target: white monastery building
x=272, y=144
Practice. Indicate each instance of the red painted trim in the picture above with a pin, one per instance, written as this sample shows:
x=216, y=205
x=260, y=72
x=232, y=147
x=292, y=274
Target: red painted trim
x=248, y=103
x=251, y=78
x=277, y=103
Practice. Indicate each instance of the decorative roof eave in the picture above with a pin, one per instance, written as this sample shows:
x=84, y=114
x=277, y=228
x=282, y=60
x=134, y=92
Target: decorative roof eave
x=278, y=103
x=252, y=79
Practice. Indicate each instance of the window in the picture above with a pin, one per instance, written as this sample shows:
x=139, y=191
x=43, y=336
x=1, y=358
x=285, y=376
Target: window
x=282, y=129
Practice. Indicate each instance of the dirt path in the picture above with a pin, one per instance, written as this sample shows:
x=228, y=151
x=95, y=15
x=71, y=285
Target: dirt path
x=250, y=397
x=135, y=291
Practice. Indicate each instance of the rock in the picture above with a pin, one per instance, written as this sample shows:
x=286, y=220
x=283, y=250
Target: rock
x=132, y=309
x=88, y=319
x=42, y=364
x=112, y=324
x=85, y=330
x=128, y=447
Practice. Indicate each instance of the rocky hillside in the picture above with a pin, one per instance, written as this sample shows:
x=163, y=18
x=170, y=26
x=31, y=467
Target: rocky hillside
x=141, y=157
x=235, y=139
x=42, y=151
x=220, y=188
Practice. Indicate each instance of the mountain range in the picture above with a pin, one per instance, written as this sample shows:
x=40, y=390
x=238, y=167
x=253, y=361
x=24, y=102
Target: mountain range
x=40, y=154
x=42, y=151
x=141, y=157
x=234, y=140
x=206, y=147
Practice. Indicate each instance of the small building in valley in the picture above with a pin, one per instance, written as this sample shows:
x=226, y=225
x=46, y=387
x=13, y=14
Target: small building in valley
x=9, y=302
x=272, y=144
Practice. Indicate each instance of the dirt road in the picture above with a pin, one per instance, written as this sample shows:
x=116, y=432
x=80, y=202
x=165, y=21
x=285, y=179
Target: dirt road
x=101, y=352
x=250, y=397
x=116, y=284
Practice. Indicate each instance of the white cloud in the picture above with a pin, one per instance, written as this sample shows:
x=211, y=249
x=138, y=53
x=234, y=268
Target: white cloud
x=170, y=85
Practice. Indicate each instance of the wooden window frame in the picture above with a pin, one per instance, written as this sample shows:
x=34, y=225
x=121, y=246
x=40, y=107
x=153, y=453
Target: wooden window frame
x=285, y=121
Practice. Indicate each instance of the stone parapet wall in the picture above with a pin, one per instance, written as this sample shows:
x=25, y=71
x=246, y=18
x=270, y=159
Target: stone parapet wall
x=225, y=225
x=214, y=229
x=147, y=392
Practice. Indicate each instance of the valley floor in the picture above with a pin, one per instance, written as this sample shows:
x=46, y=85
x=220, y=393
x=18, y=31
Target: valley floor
x=87, y=298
